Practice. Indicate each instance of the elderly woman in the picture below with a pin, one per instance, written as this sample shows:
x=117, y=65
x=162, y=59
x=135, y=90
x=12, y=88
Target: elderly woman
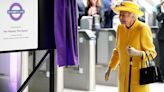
x=133, y=39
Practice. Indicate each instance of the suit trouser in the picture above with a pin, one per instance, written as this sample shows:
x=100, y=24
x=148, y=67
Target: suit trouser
x=161, y=55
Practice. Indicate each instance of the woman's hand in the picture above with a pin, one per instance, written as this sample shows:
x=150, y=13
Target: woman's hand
x=92, y=11
x=133, y=52
x=107, y=74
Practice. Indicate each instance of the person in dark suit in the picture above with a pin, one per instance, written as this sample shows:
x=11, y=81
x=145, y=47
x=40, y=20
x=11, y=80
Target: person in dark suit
x=81, y=10
x=160, y=18
x=108, y=14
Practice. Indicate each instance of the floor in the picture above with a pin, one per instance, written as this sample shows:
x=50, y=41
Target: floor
x=40, y=84
x=40, y=78
x=100, y=88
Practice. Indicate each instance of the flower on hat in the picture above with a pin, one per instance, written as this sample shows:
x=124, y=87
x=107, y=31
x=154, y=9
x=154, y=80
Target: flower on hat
x=129, y=7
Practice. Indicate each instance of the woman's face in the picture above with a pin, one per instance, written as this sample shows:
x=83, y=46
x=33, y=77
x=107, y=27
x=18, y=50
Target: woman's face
x=93, y=2
x=126, y=18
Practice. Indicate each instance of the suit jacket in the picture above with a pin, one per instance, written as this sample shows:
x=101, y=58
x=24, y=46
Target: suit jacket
x=108, y=14
x=160, y=18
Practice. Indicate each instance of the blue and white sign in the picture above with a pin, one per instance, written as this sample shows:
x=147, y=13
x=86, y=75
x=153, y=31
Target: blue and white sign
x=18, y=25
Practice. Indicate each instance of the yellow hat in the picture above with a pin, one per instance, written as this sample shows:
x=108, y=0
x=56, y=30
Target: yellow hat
x=128, y=6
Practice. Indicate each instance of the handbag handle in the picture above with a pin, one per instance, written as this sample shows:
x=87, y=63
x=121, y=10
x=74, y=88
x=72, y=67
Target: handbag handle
x=148, y=63
x=156, y=72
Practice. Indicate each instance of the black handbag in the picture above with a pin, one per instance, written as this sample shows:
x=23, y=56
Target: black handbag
x=150, y=74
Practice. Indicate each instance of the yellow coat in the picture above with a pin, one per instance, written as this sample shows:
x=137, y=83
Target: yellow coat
x=138, y=36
